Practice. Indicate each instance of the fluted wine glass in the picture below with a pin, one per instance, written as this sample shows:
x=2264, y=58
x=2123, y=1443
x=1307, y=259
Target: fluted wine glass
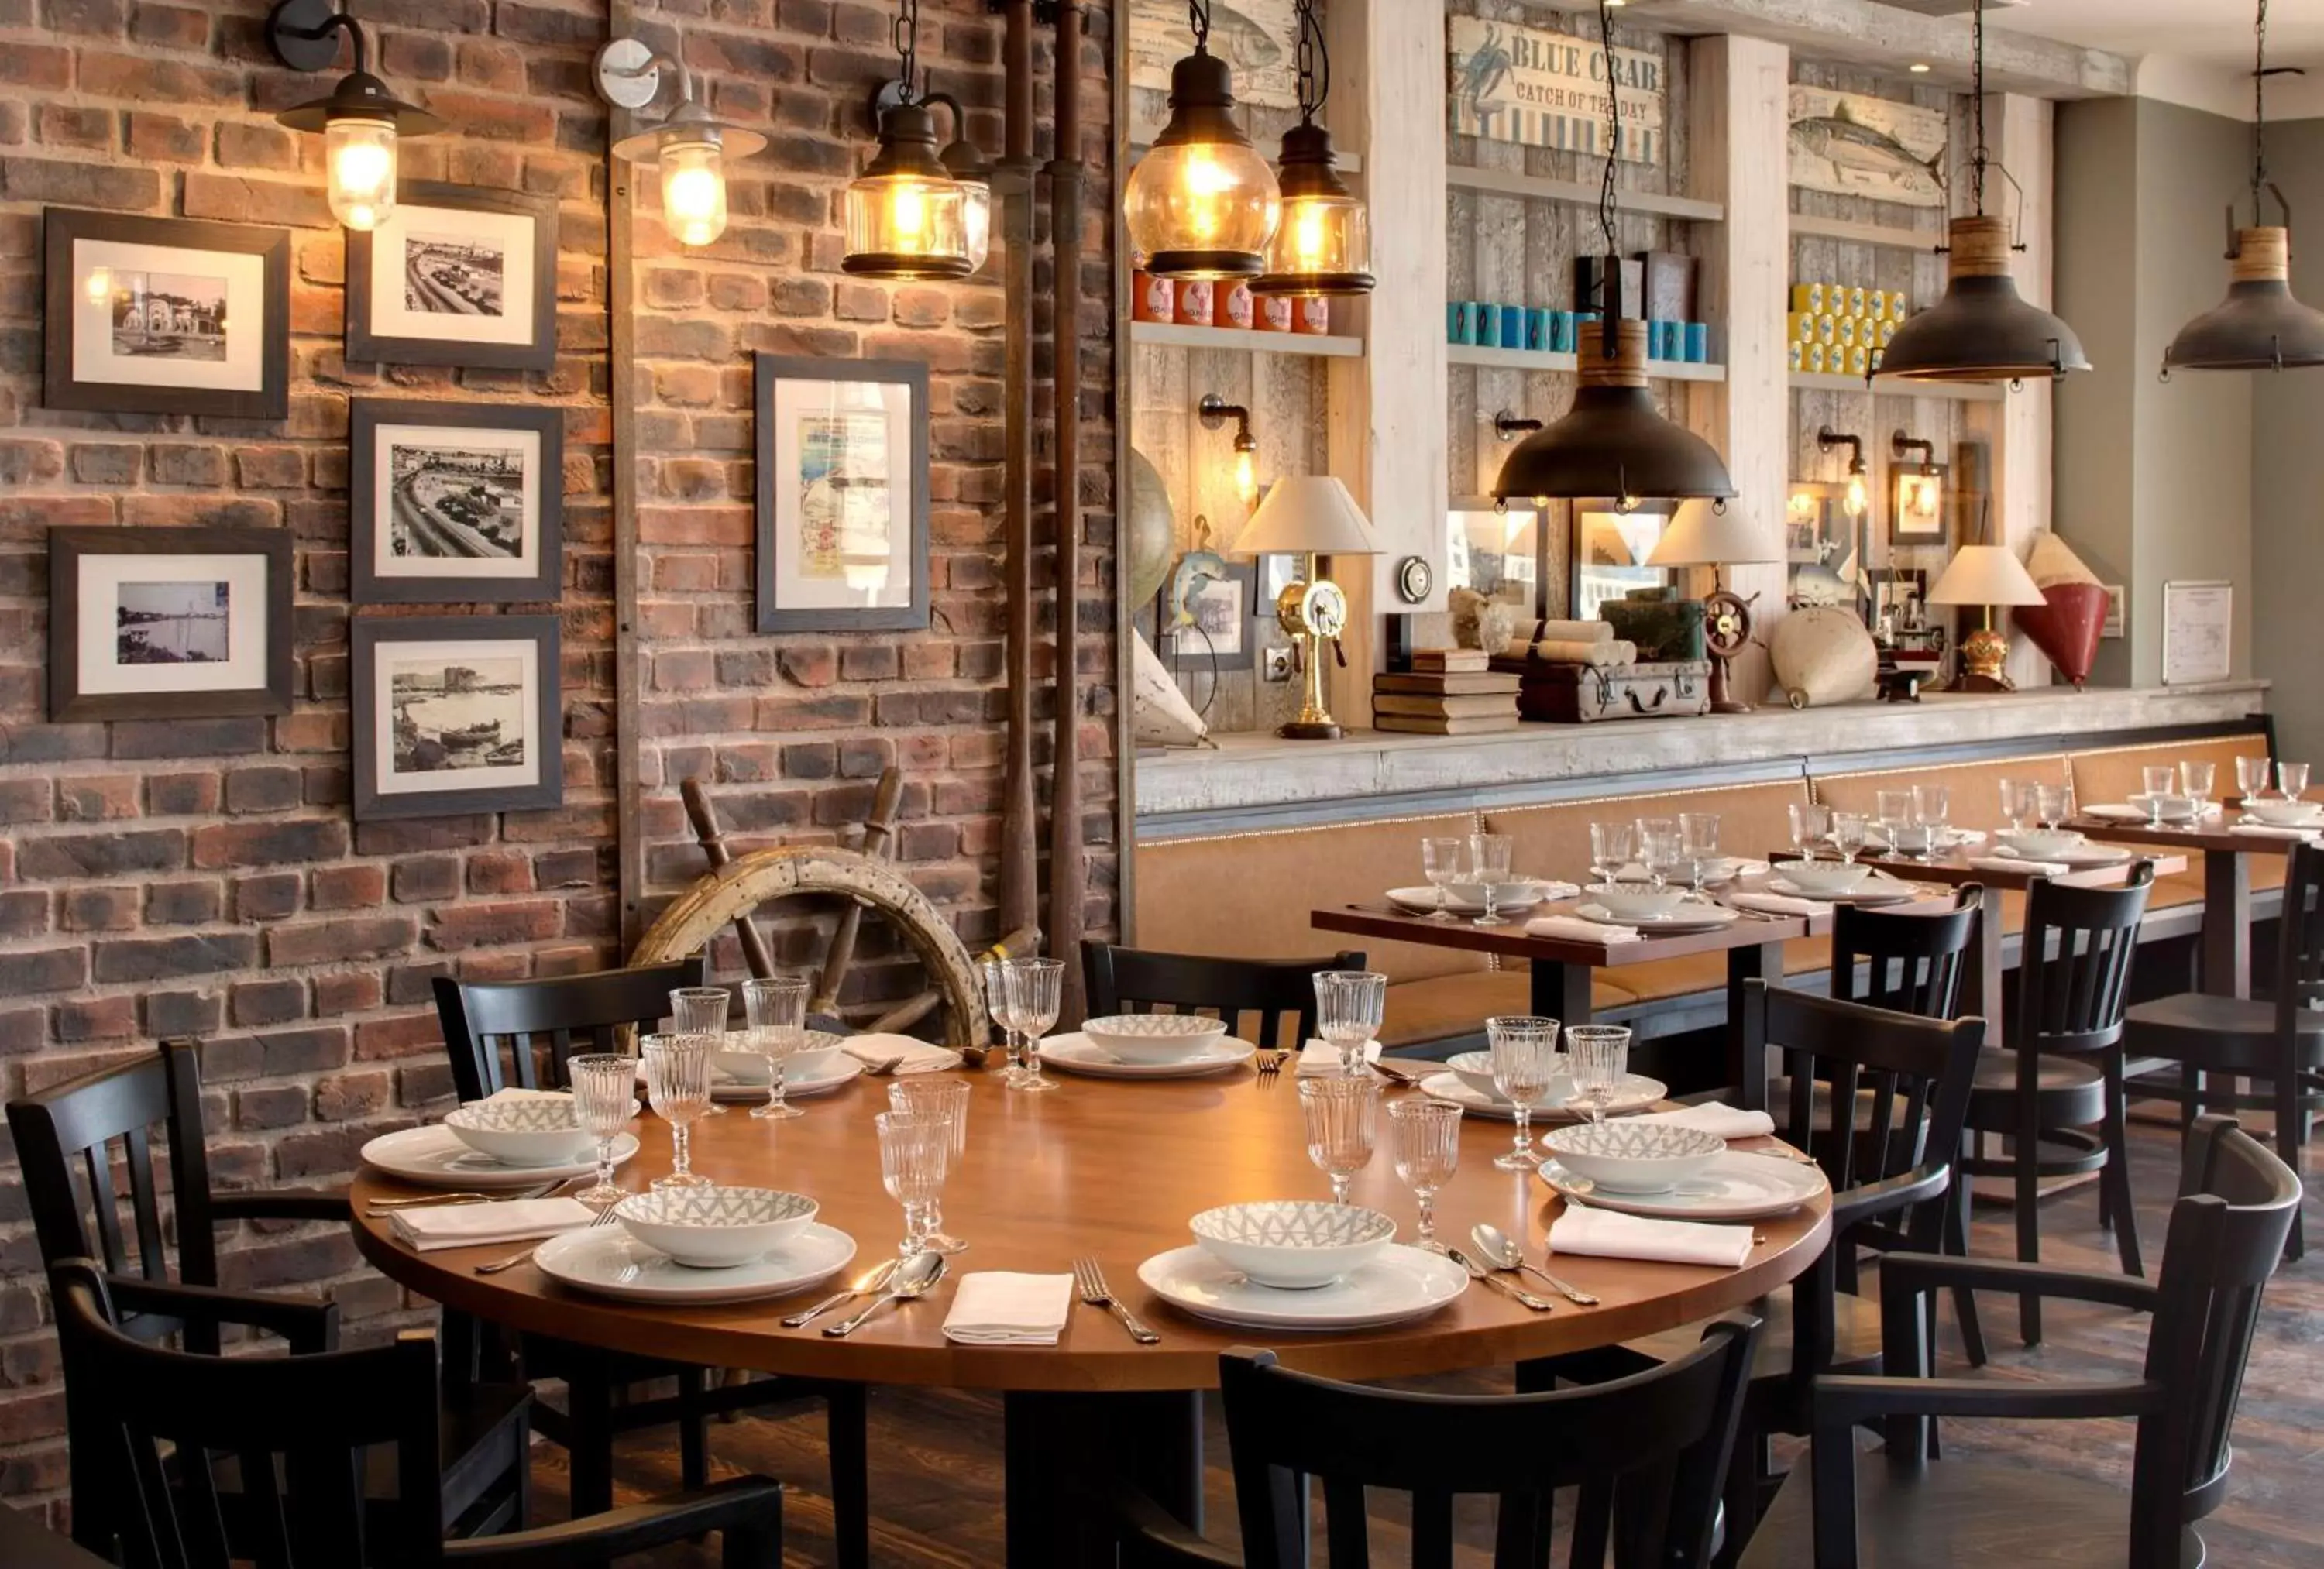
x=1440, y=863
x=1349, y=1004
x=1424, y=1140
x=1340, y=1114
x=604, y=1098
x=700, y=1011
x=944, y=1100
x=1036, y=992
x=776, y=1008
x=677, y=1088
x=915, y=1154
x=1600, y=1058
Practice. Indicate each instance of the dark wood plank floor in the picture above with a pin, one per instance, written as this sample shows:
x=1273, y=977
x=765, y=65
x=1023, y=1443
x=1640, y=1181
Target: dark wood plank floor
x=936, y=1474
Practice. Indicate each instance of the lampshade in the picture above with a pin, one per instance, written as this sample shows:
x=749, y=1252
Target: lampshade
x=1613, y=442
x=1701, y=536
x=1985, y=574
x=1982, y=330
x=1308, y=514
x=2259, y=326
x=907, y=216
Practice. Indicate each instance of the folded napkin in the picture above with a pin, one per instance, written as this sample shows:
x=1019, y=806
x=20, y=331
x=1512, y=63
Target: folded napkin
x=996, y=1307
x=2020, y=864
x=1602, y=1234
x=1320, y=1059
x=1776, y=904
x=1712, y=1117
x=919, y=1056
x=1575, y=929
x=2275, y=830
x=467, y=1226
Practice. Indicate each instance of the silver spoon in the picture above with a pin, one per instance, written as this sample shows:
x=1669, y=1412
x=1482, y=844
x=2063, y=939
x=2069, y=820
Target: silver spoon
x=1478, y=1271
x=913, y=1278
x=1503, y=1254
x=871, y=1281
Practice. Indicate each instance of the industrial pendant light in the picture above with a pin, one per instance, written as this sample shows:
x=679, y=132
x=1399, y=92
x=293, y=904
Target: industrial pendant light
x=1613, y=442
x=907, y=216
x=1202, y=203
x=1982, y=330
x=361, y=121
x=2259, y=326
x=1324, y=243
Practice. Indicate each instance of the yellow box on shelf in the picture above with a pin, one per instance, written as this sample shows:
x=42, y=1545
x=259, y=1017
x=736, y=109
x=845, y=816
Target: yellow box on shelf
x=1807, y=299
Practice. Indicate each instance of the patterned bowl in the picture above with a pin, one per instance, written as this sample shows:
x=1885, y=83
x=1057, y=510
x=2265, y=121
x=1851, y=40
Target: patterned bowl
x=2039, y=842
x=1628, y=1156
x=1475, y=1069
x=1636, y=901
x=522, y=1133
x=1824, y=876
x=714, y=1228
x=1153, y=1037
x=740, y=1064
x=1294, y=1243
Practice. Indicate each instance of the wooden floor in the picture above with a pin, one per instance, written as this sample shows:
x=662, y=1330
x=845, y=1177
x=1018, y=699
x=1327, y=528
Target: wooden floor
x=936, y=1474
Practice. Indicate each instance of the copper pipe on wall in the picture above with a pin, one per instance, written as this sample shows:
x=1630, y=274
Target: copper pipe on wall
x=1068, y=863
x=1020, y=820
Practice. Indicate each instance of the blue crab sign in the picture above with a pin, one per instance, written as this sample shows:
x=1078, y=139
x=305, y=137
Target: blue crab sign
x=1540, y=89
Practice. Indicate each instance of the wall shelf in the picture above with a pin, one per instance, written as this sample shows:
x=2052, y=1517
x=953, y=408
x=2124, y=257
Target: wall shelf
x=1171, y=335
x=1541, y=360
x=1960, y=391
x=1926, y=240
x=1578, y=193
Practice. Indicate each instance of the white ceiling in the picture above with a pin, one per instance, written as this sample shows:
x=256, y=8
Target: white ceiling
x=2197, y=51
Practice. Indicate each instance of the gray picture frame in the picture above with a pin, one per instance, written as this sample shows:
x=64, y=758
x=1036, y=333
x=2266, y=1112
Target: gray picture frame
x=69, y=548
x=367, y=584
x=368, y=342
x=369, y=635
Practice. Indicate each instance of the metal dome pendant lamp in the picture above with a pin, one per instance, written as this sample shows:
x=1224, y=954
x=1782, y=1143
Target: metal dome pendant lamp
x=1323, y=243
x=1613, y=442
x=2259, y=326
x=1202, y=203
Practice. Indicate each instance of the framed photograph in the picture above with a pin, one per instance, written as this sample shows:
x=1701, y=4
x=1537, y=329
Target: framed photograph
x=456, y=714
x=166, y=316
x=455, y=502
x=1495, y=553
x=1224, y=629
x=1821, y=545
x=1610, y=555
x=843, y=495
x=456, y=276
x=1900, y=599
x=168, y=623
x=1916, y=505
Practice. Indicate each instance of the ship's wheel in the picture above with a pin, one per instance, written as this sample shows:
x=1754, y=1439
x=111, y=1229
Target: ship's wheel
x=1725, y=629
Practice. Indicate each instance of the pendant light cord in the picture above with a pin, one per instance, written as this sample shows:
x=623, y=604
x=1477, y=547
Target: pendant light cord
x=2259, y=109
x=1613, y=128
x=1977, y=107
x=907, y=39
x=1314, y=61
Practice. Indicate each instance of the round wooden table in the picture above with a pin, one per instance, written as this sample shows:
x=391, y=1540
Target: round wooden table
x=1111, y=1169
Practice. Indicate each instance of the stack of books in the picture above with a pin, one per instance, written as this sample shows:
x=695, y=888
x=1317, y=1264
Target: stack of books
x=1448, y=692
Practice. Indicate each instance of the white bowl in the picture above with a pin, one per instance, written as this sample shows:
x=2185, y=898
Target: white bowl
x=522, y=1133
x=2169, y=808
x=2284, y=814
x=739, y=1064
x=2038, y=842
x=1510, y=893
x=1153, y=1037
x=1294, y=1243
x=714, y=1228
x=1635, y=902
x=1824, y=876
x=1628, y=1156
x=1475, y=1070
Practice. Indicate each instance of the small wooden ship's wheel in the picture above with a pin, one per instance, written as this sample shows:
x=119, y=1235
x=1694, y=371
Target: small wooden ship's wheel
x=1725, y=629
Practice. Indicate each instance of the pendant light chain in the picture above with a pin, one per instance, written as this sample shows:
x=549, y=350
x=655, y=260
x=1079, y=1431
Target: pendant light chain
x=1198, y=19
x=1976, y=107
x=1313, y=61
x=2259, y=108
x=1613, y=127
x=907, y=39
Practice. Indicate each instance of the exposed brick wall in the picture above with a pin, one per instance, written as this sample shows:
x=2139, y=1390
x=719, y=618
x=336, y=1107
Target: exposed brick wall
x=204, y=876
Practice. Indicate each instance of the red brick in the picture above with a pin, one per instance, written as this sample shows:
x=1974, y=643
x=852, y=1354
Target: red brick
x=404, y=1036
x=348, y=887
x=346, y=992
x=170, y=26
x=165, y=138
x=460, y=926
x=269, y=843
x=337, y=941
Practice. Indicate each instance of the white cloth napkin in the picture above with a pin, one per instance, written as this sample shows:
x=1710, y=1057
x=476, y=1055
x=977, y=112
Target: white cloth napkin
x=2020, y=864
x=997, y=1308
x=1776, y=904
x=1320, y=1059
x=2272, y=830
x=919, y=1056
x=1605, y=1234
x=467, y=1226
x=1713, y=1117
x=1575, y=929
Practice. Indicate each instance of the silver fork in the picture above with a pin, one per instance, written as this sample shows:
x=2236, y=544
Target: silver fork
x=514, y=1260
x=1268, y=1064
x=380, y=1207
x=883, y=1068
x=1091, y=1280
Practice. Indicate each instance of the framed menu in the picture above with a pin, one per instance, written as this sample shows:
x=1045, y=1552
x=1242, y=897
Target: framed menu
x=2198, y=624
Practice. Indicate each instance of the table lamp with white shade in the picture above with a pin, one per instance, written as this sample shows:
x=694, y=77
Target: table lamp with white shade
x=1702, y=534
x=1985, y=575
x=1310, y=515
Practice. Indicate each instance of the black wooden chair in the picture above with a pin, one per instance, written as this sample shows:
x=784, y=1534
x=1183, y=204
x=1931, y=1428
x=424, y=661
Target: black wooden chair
x=1143, y=980
x=482, y=1429
x=1646, y=1451
x=1905, y=1511
x=1905, y=962
x=2278, y=1040
x=168, y=1429
x=2059, y=1074
x=526, y=1031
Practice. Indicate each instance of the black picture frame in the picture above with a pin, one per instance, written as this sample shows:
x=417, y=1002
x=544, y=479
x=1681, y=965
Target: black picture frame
x=771, y=373
x=1186, y=646
x=368, y=421
x=67, y=292
x=369, y=339
x=373, y=638
x=266, y=688
x=1611, y=580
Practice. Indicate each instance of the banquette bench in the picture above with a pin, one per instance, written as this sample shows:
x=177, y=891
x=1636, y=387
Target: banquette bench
x=1247, y=893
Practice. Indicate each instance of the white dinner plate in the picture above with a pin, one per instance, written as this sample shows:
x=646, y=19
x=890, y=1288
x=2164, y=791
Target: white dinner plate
x=1735, y=1185
x=1074, y=1053
x=2080, y=855
x=1400, y=1284
x=434, y=1157
x=1423, y=901
x=728, y=1090
x=1688, y=917
x=2124, y=811
x=605, y=1261
x=1638, y=1093
x=1871, y=891
x=1948, y=838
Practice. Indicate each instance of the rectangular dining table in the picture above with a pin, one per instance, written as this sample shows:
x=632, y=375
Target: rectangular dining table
x=2227, y=886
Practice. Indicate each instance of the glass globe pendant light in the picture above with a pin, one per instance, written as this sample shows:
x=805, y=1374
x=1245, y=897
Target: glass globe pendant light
x=2259, y=326
x=361, y=121
x=907, y=217
x=1202, y=203
x=1323, y=243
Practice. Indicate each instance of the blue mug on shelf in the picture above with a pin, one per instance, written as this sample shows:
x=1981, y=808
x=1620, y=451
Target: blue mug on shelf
x=1697, y=350
x=1561, y=332
x=1537, y=328
x=1513, y=326
x=1487, y=316
x=1460, y=327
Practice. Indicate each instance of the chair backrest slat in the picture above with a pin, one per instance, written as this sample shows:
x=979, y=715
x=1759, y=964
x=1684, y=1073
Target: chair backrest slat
x=1912, y=962
x=2073, y=974
x=2299, y=937
x=1280, y=993
x=480, y=1021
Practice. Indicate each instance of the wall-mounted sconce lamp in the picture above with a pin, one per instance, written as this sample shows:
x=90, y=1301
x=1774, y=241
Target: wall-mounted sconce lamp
x=691, y=144
x=1216, y=411
x=1858, y=500
x=907, y=216
x=360, y=120
x=1916, y=492
x=1202, y=203
x=1507, y=426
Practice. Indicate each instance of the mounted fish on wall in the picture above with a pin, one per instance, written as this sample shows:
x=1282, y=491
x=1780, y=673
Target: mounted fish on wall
x=1849, y=144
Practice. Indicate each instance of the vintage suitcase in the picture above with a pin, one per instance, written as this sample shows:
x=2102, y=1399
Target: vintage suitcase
x=1586, y=693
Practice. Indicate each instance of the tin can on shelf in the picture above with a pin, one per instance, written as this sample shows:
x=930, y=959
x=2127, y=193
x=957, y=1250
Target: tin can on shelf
x=1152, y=299
x=1312, y=315
x=1274, y=315
x=1232, y=306
x=1195, y=302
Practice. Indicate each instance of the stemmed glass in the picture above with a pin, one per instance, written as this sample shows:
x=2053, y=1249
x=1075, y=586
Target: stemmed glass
x=944, y=1101
x=1849, y=833
x=2017, y=802
x=1349, y=1004
x=1811, y=827
x=1894, y=813
x=776, y=1011
x=1423, y=1137
x=604, y=1095
x=2160, y=781
x=2052, y=804
x=1661, y=851
x=677, y=1088
x=994, y=972
x=1932, y=806
x=1340, y=1114
x=1488, y=856
x=1611, y=847
x=1698, y=833
x=700, y=1011
x=2252, y=776
x=1524, y=1062
x=2195, y=781
x=1440, y=863
x=1036, y=992
x=2291, y=780
x=1600, y=1055
x=915, y=1153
